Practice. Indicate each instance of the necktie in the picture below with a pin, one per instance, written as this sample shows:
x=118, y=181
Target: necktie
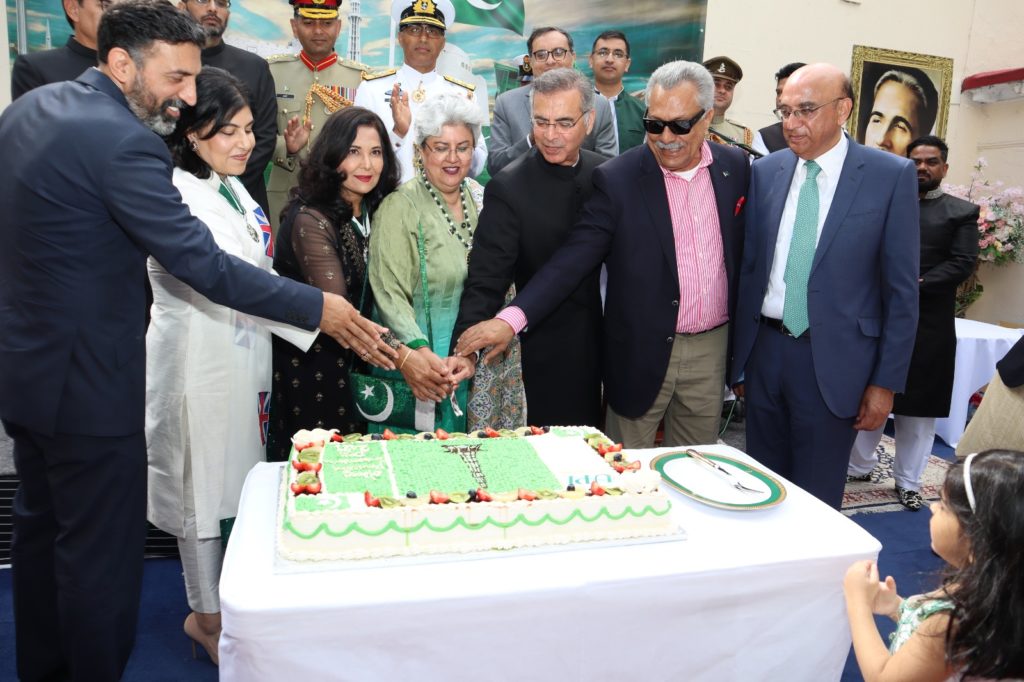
x=801, y=253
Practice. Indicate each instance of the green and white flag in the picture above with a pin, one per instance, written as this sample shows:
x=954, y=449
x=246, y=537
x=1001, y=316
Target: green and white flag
x=508, y=14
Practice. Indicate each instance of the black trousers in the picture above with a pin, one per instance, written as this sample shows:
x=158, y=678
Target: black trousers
x=76, y=554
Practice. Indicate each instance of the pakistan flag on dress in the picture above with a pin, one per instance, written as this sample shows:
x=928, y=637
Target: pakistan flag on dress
x=390, y=401
x=508, y=14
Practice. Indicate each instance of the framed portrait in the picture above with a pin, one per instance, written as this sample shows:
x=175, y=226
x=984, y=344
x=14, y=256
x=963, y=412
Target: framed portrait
x=898, y=97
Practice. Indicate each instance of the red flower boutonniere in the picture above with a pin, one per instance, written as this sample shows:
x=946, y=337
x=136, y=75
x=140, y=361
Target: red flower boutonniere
x=739, y=206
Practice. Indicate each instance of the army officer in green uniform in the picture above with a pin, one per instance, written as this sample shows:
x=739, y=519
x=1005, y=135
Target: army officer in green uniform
x=310, y=85
x=726, y=74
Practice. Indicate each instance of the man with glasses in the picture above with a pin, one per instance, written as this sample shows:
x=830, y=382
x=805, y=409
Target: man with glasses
x=310, y=86
x=512, y=128
x=66, y=63
x=515, y=237
x=609, y=61
x=827, y=309
x=666, y=218
x=213, y=16
x=397, y=94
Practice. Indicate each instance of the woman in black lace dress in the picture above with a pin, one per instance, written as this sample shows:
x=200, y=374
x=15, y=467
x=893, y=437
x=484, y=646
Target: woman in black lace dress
x=323, y=241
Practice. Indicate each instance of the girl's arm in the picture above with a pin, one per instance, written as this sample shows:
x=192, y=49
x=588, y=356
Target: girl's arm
x=921, y=659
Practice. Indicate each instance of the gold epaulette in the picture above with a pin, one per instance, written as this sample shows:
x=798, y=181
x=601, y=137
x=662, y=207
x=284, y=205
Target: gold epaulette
x=463, y=84
x=353, y=64
x=283, y=57
x=379, y=74
x=748, y=134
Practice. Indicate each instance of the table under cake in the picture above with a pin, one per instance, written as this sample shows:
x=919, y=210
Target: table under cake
x=753, y=595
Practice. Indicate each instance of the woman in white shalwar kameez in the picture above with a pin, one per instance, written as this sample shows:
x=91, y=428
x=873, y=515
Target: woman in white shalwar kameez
x=208, y=367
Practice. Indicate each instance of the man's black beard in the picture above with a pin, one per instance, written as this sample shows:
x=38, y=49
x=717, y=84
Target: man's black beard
x=144, y=106
x=214, y=31
x=927, y=186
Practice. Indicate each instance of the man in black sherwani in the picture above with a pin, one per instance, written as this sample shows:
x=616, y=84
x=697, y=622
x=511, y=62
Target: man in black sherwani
x=949, y=250
x=529, y=209
x=251, y=69
x=33, y=69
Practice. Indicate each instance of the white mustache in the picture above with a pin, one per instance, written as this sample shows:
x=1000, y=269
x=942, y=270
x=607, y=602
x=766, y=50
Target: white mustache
x=668, y=146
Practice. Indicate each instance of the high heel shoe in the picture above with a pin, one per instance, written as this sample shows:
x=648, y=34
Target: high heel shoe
x=206, y=640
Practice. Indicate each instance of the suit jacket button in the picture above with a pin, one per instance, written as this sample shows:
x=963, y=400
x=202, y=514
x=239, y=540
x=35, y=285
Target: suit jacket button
x=675, y=304
x=668, y=340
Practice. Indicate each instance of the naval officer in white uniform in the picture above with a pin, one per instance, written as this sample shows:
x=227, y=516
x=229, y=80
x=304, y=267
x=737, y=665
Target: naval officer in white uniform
x=395, y=95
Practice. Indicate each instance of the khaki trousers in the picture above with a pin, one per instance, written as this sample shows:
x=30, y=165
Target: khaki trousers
x=690, y=398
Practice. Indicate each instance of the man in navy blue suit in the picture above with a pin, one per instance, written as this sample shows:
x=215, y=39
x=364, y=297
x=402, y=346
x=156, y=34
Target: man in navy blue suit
x=666, y=218
x=827, y=310
x=86, y=196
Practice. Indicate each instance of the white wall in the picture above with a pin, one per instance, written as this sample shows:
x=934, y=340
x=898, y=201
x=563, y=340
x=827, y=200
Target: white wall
x=979, y=35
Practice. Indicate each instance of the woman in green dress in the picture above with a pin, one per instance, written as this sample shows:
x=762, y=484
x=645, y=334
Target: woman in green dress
x=433, y=215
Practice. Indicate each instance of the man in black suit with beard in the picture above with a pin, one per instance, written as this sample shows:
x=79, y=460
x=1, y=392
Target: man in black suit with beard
x=949, y=251
x=529, y=210
x=86, y=192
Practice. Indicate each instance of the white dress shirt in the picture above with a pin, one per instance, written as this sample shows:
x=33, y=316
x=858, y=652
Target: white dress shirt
x=831, y=163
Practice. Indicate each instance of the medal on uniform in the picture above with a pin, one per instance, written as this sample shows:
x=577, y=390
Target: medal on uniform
x=419, y=94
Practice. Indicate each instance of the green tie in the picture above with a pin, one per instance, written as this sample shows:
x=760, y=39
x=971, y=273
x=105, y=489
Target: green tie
x=801, y=253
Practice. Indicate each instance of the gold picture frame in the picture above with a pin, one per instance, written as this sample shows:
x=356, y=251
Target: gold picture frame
x=912, y=79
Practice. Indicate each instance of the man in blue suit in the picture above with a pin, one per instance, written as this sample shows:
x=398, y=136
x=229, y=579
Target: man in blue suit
x=827, y=309
x=667, y=220
x=86, y=196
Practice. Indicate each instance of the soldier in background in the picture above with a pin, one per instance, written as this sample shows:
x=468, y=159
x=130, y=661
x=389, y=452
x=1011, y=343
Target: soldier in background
x=396, y=94
x=311, y=85
x=213, y=16
x=61, y=63
x=726, y=74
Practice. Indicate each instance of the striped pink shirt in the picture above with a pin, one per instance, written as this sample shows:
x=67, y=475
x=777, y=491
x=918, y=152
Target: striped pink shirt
x=700, y=260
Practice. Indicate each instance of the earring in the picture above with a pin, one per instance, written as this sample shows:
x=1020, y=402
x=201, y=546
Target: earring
x=194, y=146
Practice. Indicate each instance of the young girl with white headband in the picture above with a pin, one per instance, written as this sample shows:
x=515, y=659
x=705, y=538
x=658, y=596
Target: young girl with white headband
x=972, y=627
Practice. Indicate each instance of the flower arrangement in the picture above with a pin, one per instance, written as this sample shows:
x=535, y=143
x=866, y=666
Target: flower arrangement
x=1001, y=221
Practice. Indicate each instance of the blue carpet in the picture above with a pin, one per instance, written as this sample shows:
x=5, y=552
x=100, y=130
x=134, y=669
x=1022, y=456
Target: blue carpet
x=162, y=651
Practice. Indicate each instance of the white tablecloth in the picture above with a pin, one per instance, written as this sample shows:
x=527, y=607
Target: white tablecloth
x=979, y=346
x=745, y=596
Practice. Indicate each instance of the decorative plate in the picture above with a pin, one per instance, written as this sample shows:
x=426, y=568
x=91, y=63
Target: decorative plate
x=683, y=473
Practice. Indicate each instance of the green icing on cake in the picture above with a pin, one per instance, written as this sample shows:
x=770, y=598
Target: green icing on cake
x=498, y=464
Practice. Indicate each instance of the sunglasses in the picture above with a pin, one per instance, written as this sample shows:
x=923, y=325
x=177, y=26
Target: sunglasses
x=656, y=127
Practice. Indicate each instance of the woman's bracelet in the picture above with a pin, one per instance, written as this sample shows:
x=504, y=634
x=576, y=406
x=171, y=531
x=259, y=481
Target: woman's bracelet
x=402, y=363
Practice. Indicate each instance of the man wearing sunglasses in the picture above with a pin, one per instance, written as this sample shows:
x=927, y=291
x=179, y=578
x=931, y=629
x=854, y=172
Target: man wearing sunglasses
x=828, y=305
x=397, y=94
x=512, y=128
x=666, y=218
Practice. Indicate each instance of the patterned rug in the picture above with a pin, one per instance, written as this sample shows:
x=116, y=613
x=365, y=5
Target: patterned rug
x=879, y=494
